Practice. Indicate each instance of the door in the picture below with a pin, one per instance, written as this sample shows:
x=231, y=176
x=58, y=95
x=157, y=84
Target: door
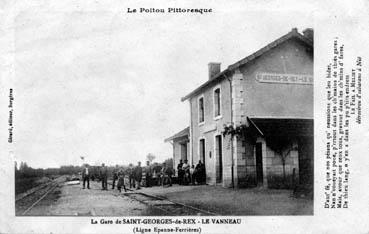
x=259, y=163
x=202, y=151
x=183, y=151
x=219, y=159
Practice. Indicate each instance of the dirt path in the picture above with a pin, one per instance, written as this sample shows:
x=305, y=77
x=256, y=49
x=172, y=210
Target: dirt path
x=72, y=200
x=225, y=201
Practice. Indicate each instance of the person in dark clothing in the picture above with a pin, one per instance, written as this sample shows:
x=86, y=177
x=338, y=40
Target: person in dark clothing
x=138, y=175
x=192, y=174
x=203, y=174
x=131, y=176
x=166, y=175
x=186, y=173
x=86, y=176
x=200, y=175
x=120, y=182
x=180, y=172
x=115, y=176
x=148, y=173
x=104, y=177
x=156, y=174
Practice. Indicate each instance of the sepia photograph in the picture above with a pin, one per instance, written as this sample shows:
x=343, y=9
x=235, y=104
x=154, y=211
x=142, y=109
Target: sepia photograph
x=151, y=112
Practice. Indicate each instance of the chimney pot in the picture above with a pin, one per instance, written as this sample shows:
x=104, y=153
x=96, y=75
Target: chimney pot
x=214, y=69
x=309, y=33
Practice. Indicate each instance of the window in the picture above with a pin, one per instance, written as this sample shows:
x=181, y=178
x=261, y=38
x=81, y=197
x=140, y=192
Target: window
x=201, y=109
x=217, y=102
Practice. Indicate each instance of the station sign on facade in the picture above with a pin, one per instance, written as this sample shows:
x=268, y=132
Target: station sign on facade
x=285, y=78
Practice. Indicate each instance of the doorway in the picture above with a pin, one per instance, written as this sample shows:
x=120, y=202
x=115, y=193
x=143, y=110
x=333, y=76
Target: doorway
x=218, y=158
x=202, y=172
x=259, y=163
x=184, y=151
x=202, y=150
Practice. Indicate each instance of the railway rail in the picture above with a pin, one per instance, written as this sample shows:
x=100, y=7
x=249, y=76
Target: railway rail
x=30, y=199
x=162, y=205
x=167, y=207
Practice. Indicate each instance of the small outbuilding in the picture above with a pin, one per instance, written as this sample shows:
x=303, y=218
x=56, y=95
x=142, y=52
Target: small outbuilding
x=181, y=143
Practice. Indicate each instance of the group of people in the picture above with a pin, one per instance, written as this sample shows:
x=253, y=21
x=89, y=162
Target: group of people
x=190, y=174
x=134, y=175
x=103, y=174
x=147, y=176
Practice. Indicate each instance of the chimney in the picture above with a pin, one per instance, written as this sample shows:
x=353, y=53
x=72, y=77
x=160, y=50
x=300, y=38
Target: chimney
x=214, y=68
x=309, y=34
x=294, y=30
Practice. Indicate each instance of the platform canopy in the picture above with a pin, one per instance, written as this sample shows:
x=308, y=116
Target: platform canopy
x=282, y=127
x=184, y=134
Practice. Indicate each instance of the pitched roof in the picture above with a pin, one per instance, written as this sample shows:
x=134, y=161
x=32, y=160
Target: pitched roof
x=183, y=133
x=292, y=34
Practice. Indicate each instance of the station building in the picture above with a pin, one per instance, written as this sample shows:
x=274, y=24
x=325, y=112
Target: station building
x=269, y=95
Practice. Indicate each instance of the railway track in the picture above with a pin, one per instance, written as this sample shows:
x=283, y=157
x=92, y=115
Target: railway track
x=167, y=207
x=26, y=202
x=161, y=206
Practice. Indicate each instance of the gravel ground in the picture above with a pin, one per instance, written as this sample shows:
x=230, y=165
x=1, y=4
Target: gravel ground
x=72, y=200
x=227, y=201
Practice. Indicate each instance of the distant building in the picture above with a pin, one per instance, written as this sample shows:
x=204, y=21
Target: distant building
x=269, y=92
x=181, y=144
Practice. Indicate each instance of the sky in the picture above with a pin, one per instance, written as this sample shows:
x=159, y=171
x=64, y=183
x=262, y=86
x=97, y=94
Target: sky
x=107, y=85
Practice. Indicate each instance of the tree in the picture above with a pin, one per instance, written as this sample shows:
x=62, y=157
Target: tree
x=283, y=147
x=169, y=162
x=150, y=157
x=23, y=166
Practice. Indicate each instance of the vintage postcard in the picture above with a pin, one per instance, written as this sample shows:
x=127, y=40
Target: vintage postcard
x=184, y=117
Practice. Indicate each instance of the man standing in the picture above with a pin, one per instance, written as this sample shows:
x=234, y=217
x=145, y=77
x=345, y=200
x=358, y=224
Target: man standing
x=166, y=175
x=104, y=176
x=131, y=176
x=115, y=175
x=180, y=172
x=120, y=182
x=186, y=173
x=148, y=172
x=138, y=175
x=200, y=173
x=192, y=174
x=157, y=174
x=86, y=176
